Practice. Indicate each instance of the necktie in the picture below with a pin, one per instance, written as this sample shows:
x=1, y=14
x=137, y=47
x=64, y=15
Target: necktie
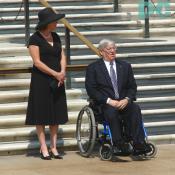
x=114, y=80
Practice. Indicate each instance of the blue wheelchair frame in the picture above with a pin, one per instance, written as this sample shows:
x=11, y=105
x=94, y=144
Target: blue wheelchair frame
x=107, y=131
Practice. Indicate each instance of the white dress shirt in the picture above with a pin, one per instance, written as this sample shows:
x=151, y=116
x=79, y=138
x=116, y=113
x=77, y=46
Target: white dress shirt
x=107, y=63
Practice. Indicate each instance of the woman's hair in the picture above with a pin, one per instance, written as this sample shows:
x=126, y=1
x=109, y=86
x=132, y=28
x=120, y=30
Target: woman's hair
x=41, y=28
x=104, y=43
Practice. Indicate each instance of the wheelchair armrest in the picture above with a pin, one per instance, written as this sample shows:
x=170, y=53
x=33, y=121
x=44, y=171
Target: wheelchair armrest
x=90, y=100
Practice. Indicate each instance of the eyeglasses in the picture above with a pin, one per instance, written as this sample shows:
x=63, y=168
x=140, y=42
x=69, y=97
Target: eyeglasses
x=109, y=49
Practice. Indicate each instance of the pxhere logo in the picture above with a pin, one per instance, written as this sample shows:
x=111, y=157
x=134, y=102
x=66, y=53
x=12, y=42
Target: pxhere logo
x=160, y=8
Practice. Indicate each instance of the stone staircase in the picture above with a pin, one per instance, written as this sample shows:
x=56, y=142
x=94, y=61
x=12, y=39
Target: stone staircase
x=152, y=61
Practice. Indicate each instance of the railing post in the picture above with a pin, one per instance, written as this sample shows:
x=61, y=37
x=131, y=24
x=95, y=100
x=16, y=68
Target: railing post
x=67, y=48
x=116, y=6
x=27, y=24
x=146, y=15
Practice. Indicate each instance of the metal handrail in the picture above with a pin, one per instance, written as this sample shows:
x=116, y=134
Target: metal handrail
x=146, y=15
x=116, y=6
x=27, y=23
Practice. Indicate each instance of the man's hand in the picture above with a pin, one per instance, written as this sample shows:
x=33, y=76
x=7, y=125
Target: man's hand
x=122, y=104
x=118, y=104
x=113, y=103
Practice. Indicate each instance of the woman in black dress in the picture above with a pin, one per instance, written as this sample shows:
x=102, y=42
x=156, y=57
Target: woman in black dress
x=47, y=98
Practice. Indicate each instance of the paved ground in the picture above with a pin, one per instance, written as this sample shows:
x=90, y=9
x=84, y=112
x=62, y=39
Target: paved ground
x=73, y=164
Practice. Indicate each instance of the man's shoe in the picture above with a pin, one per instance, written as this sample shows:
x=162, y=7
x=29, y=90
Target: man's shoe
x=123, y=151
x=116, y=151
x=138, y=152
x=147, y=148
x=141, y=149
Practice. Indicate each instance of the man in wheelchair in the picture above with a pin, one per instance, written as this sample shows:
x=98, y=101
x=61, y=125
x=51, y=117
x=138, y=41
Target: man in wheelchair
x=110, y=84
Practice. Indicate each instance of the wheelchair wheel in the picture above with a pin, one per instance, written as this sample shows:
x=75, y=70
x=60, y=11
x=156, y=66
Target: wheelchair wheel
x=86, y=131
x=105, y=151
x=153, y=150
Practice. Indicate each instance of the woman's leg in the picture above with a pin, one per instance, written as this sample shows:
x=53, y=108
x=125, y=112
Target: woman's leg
x=53, y=138
x=41, y=136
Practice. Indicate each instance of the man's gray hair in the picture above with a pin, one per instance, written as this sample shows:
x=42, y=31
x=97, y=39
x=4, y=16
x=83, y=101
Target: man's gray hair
x=104, y=43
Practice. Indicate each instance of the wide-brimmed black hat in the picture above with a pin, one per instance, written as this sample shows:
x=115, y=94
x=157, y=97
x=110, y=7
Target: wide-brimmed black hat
x=46, y=16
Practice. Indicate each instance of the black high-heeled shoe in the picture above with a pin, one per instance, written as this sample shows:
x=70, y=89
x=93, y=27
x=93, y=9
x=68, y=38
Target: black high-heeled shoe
x=58, y=156
x=45, y=157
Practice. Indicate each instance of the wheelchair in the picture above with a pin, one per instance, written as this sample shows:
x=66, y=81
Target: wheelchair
x=88, y=133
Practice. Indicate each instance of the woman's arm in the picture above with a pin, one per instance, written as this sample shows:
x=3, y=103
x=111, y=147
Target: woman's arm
x=63, y=62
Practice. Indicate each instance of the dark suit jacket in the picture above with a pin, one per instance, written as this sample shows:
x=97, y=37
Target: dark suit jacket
x=99, y=86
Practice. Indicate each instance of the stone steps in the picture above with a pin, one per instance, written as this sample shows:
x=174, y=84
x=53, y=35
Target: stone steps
x=12, y=96
x=152, y=61
x=34, y=3
x=139, y=78
x=18, y=120
x=157, y=115
x=123, y=46
x=149, y=79
x=92, y=17
x=131, y=57
x=21, y=147
x=9, y=20
x=29, y=133
x=156, y=91
x=153, y=23
x=155, y=79
x=28, y=146
x=94, y=26
x=150, y=58
x=22, y=95
x=143, y=91
x=68, y=131
x=15, y=2
x=146, y=103
x=156, y=102
x=95, y=36
x=20, y=108
x=78, y=79
x=81, y=8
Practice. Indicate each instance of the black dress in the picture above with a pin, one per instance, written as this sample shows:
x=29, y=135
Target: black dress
x=45, y=106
